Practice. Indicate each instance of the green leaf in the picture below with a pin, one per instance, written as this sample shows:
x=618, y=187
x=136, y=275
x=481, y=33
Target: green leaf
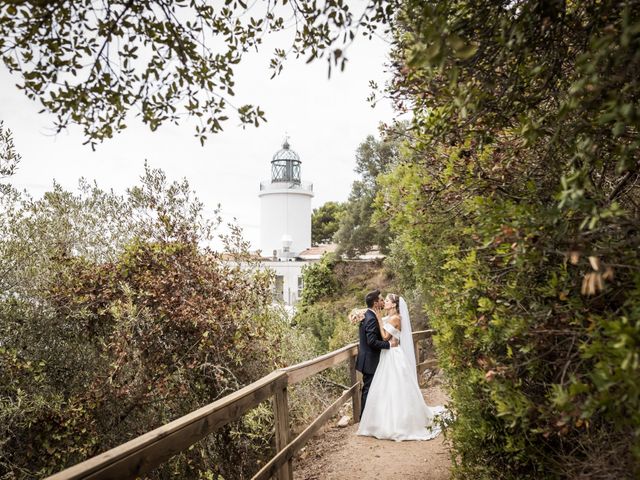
x=467, y=51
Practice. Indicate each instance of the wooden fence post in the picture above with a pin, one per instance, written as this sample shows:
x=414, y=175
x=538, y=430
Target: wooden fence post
x=355, y=400
x=416, y=345
x=281, y=411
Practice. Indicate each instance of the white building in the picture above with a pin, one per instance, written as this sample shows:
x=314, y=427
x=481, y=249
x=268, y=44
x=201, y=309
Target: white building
x=285, y=226
x=285, y=223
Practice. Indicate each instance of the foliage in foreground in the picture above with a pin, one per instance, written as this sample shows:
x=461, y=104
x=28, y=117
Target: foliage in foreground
x=516, y=212
x=92, y=63
x=114, y=321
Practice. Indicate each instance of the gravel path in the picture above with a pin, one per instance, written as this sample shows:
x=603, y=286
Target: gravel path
x=338, y=453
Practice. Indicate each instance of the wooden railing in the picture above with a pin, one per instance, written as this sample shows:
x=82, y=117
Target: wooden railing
x=144, y=453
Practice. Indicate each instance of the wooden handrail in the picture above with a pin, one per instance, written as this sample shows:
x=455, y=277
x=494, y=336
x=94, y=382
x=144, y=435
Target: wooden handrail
x=144, y=453
x=147, y=451
x=417, y=336
x=299, y=372
x=422, y=334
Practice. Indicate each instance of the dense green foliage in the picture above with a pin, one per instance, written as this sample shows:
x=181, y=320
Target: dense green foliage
x=325, y=221
x=319, y=280
x=333, y=287
x=327, y=295
x=115, y=320
x=515, y=212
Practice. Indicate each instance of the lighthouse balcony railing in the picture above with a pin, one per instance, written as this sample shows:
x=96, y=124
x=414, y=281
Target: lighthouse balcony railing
x=305, y=186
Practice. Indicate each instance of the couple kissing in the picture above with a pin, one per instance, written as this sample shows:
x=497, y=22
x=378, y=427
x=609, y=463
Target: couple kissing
x=392, y=405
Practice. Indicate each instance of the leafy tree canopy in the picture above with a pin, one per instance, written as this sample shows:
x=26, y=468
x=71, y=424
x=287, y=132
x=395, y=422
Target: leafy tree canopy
x=358, y=231
x=92, y=63
x=9, y=158
x=319, y=280
x=325, y=222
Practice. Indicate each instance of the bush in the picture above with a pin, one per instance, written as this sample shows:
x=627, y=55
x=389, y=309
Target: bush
x=319, y=280
x=516, y=206
x=102, y=341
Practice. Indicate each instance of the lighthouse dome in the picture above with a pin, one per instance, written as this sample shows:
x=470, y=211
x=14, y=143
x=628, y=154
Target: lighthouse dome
x=285, y=153
x=285, y=166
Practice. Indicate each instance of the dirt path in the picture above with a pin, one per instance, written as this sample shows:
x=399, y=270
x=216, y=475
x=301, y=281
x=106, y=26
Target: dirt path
x=338, y=453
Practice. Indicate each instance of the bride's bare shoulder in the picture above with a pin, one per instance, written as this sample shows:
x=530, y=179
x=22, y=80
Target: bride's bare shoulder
x=395, y=321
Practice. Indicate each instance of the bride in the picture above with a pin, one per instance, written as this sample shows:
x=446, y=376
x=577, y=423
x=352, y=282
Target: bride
x=395, y=407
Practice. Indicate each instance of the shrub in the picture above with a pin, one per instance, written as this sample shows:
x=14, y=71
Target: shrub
x=101, y=342
x=319, y=280
x=516, y=206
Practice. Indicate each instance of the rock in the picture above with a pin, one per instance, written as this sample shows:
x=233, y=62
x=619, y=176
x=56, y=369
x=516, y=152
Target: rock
x=343, y=422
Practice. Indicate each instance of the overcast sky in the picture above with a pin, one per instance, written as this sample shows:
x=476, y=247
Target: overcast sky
x=325, y=120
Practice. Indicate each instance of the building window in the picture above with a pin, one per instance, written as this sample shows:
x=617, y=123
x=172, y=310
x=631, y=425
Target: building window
x=278, y=288
x=300, y=286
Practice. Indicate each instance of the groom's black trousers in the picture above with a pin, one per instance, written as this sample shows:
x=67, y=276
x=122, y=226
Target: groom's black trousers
x=366, y=383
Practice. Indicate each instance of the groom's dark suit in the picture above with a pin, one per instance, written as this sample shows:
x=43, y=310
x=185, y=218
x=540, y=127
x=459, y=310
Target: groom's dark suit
x=369, y=352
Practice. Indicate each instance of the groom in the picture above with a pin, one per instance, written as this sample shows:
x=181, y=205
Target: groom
x=370, y=343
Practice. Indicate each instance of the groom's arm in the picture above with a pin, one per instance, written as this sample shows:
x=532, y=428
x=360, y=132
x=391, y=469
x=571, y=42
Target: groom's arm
x=371, y=334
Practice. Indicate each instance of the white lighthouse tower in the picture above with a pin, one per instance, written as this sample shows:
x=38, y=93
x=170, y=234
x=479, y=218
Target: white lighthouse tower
x=285, y=208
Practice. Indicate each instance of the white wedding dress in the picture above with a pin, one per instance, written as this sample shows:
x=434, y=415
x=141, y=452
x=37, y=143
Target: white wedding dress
x=395, y=407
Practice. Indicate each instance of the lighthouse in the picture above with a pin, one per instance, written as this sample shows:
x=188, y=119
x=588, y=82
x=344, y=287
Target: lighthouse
x=285, y=207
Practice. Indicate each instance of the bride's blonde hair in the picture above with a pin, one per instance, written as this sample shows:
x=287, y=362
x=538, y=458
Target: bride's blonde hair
x=396, y=301
x=356, y=315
